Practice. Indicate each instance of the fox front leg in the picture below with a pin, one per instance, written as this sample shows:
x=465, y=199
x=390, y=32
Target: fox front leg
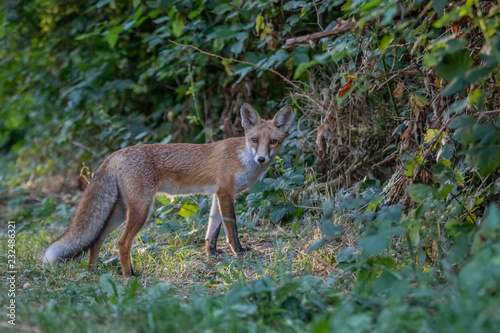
x=226, y=208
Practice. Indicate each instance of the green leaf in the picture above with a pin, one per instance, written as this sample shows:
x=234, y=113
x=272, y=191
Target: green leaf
x=112, y=35
x=373, y=244
x=328, y=208
x=390, y=213
x=386, y=41
x=188, y=210
x=221, y=9
x=414, y=236
x=318, y=243
x=294, y=5
x=457, y=107
x=487, y=159
x=277, y=212
x=237, y=47
x=374, y=204
x=492, y=219
x=385, y=281
x=346, y=255
x=330, y=230
x=163, y=199
x=302, y=68
x=453, y=65
x=420, y=193
x=464, y=121
x=109, y=286
x=178, y=25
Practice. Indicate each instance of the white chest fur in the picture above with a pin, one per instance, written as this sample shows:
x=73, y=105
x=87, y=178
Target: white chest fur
x=245, y=178
x=173, y=189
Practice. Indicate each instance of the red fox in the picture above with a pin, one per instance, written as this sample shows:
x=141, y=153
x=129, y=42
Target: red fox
x=125, y=185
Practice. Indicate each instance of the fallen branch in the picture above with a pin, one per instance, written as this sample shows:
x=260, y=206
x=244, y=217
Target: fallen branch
x=341, y=28
x=255, y=65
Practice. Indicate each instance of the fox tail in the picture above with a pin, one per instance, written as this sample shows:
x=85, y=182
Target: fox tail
x=89, y=221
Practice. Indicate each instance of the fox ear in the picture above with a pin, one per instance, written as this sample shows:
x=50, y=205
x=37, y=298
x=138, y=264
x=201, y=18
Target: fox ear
x=249, y=116
x=283, y=120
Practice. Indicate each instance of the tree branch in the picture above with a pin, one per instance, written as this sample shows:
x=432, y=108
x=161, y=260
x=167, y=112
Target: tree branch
x=341, y=28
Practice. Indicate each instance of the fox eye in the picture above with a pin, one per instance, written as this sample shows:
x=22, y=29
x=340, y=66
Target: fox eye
x=255, y=140
x=273, y=141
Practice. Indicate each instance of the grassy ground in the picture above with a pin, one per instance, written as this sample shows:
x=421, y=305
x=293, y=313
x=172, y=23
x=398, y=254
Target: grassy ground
x=175, y=275
x=370, y=279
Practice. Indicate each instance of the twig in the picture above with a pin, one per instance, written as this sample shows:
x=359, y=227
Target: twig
x=390, y=158
x=325, y=163
x=255, y=65
x=317, y=16
x=341, y=28
x=389, y=89
x=307, y=207
x=81, y=145
x=380, y=86
x=331, y=183
x=477, y=114
x=466, y=210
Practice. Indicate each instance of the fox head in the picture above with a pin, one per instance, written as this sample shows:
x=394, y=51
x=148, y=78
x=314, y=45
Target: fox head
x=265, y=137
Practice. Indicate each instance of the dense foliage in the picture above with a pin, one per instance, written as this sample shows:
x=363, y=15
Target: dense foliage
x=388, y=186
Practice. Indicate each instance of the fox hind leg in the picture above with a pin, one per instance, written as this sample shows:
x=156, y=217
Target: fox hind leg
x=213, y=229
x=137, y=214
x=117, y=217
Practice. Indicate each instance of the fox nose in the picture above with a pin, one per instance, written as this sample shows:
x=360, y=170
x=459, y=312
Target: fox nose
x=261, y=160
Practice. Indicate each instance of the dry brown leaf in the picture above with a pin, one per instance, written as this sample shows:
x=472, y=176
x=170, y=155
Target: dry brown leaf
x=272, y=43
x=398, y=93
x=349, y=81
x=407, y=139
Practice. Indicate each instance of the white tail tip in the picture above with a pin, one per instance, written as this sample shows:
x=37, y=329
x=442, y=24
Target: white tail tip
x=52, y=253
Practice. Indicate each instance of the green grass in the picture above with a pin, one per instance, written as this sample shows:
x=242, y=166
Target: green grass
x=179, y=288
x=280, y=287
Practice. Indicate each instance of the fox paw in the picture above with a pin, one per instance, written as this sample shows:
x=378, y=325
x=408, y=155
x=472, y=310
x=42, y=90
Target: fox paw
x=213, y=252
